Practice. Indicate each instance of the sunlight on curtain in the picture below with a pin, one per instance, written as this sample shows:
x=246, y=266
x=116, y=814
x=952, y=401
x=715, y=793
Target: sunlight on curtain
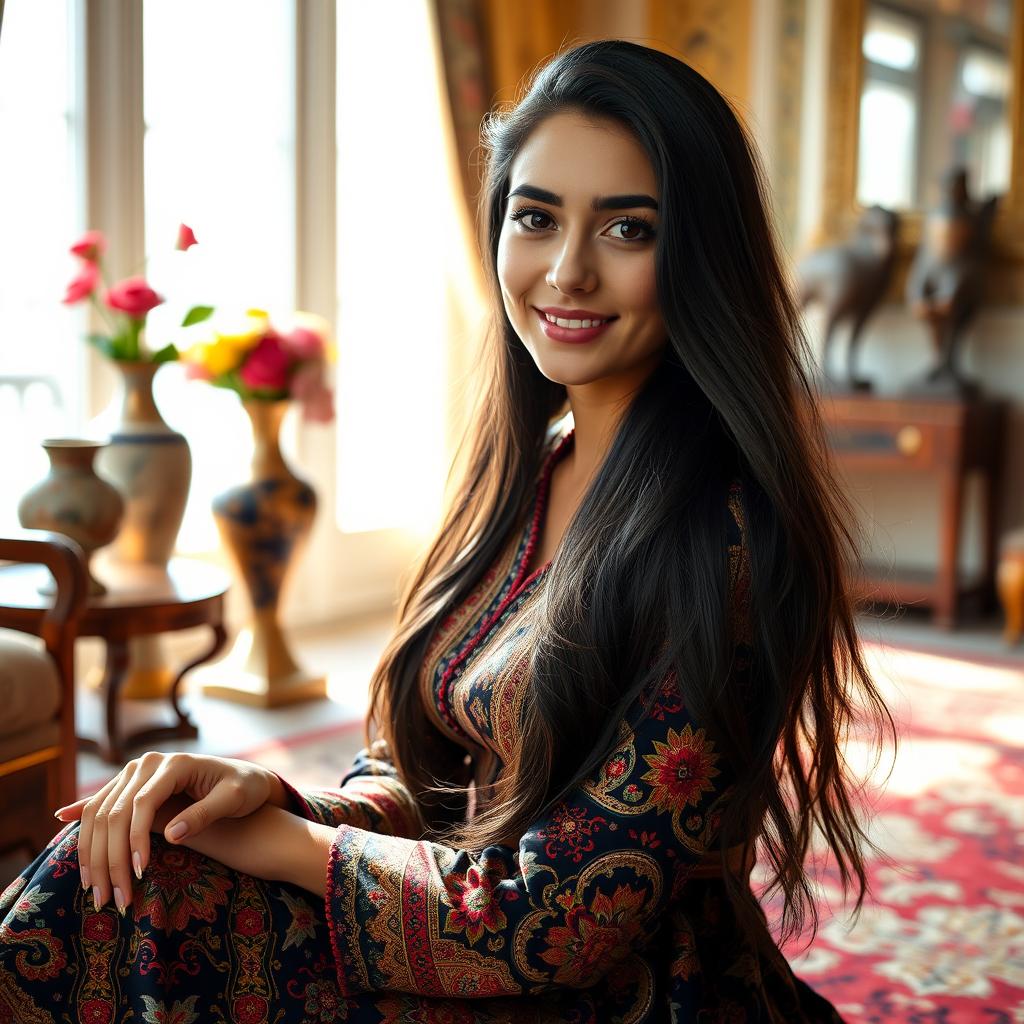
x=398, y=231
x=219, y=156
x=40, y=216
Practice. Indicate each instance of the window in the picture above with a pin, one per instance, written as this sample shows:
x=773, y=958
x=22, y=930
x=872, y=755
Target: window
x=395, y=236
x=42, y=353
x=219, y=156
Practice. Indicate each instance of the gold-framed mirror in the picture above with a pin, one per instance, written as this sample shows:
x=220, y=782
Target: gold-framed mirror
x=948, y=76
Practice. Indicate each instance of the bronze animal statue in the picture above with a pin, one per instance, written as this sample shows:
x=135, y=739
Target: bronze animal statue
x=850, y=279
x=946, y=281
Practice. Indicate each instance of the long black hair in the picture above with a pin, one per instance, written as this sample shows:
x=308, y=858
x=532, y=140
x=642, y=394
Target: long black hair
x=639, y=583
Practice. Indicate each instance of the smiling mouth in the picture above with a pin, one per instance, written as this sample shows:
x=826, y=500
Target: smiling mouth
x=575, y=324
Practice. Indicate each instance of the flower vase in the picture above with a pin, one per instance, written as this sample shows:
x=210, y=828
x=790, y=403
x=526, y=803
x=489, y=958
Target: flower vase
x=75, y=501
x=150, y=463
x=264, y=524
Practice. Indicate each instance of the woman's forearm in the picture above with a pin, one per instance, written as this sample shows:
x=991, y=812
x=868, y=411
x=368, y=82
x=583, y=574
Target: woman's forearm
x=272, y=844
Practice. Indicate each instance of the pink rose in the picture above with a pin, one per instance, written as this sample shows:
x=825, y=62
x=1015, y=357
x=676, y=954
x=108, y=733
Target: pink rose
x=267, y=365
x=133, y=296
x=83, y=285
x=90, y=247
x=185, y=237
x=304, y=343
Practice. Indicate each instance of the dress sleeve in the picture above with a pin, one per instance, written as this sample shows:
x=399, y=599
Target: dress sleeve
x=587, y=887
x=370, y=796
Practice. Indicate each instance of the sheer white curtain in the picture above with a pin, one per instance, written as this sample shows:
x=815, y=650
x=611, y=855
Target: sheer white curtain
x=219, y=88
x=41, y=211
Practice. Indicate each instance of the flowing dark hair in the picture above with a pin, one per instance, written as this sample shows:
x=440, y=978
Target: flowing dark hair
x=645, y=556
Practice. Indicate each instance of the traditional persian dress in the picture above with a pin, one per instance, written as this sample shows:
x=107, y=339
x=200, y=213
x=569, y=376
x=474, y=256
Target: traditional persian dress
x=602, y=913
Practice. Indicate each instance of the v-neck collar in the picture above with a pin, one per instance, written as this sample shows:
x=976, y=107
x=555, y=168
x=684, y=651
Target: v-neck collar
x=537, y=522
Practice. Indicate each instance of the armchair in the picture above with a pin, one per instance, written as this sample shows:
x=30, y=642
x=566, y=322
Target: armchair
x=37, y=696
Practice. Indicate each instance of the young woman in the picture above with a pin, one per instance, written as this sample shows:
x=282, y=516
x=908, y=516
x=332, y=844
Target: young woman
x=626, y=662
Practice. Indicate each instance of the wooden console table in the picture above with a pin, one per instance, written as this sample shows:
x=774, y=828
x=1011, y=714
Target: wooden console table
x=942, y=438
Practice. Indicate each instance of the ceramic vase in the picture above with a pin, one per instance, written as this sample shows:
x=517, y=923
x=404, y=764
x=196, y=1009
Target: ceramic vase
x=75, y=501
x=264, y=524
x=150, y=463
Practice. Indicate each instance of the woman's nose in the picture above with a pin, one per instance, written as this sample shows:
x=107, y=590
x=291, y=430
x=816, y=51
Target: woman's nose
x=572, y=269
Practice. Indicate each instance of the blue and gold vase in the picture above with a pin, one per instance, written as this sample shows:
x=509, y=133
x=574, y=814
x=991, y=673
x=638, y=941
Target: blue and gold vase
x=264, y=525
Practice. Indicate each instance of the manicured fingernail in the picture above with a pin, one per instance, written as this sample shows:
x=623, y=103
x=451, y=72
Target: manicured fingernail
x=119, y=900
x=96, y=897
x=86, y=879
x=137, y=861
x=59, y=814
x=178, y=830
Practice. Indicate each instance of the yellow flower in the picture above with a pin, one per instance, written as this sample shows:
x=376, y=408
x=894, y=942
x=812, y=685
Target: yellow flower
x=216, y=357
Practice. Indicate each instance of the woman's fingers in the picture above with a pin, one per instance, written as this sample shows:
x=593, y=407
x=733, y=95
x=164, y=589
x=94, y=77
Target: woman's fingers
x=148, y=797
x=99, y=846
x=227, y=798
x=85, y=830
x=72, y=811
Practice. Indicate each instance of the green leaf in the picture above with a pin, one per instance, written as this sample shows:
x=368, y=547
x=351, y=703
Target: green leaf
x=168, y=354
x=196, y=315
x=103, y=344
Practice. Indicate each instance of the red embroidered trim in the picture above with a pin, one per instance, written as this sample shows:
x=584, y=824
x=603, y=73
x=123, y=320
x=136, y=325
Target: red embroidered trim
x=339, y=963
x=517, y=586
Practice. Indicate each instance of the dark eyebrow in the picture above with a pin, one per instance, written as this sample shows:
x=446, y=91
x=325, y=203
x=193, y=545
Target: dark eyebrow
x=542, y=195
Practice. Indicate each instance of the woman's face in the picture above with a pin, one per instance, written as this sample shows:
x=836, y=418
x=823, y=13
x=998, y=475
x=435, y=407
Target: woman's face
x=557, y=252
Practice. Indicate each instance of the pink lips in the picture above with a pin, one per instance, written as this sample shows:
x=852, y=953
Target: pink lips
x=574, y=336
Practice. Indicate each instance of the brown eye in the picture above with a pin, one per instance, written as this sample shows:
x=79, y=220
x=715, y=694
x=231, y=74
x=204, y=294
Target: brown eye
x=526, y=215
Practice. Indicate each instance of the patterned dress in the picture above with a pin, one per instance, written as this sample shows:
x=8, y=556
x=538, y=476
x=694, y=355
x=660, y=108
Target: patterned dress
x=603, y=912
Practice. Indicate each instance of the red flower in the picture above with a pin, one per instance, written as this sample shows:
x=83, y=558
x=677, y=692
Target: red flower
x=99, y=927
x=250, y=1010
x=615, y=767
x=83, y=285
x=90, y=247
x=185, y=237
x=267, y=365
x=474, y=904
x=303, y=343
x=681, y=770
x=95, y=1011
x=133, y=296
x=569, y=832
x=249, y=922
x=594, y=937
x=180, y=885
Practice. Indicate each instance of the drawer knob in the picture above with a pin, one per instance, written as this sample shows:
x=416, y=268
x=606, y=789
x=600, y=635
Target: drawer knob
x=908, y=440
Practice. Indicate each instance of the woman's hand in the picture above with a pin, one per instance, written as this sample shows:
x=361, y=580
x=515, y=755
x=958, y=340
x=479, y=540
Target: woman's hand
x=116, y=820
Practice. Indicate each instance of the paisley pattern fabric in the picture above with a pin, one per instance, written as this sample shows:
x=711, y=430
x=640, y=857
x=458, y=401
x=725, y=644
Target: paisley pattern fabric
x=604, y=910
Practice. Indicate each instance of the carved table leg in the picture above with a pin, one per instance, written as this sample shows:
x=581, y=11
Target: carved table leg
x=184, y=727
x=110, y=747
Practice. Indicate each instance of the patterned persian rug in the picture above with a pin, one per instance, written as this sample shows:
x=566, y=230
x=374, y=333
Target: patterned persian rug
x=941, y=939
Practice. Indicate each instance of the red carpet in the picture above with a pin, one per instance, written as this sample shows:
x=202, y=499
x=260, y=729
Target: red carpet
x=942, y=937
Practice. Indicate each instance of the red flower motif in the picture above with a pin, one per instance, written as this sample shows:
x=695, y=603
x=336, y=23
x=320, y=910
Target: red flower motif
x=267, y=366
x=250, y=1010
x=615, y=767
x=570, y=832
x=474, y=904
x=681, y=770
x=179, y=885
x=248, y=922
x=594, y=937
x=99, y=927
x=321, y=1001
x=95, y=1011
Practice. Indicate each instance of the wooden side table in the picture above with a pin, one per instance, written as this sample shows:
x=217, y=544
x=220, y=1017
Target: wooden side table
x=140, y=601
x=942, y=438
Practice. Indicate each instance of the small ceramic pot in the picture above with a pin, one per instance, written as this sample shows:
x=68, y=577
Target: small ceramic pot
x=74, y=501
